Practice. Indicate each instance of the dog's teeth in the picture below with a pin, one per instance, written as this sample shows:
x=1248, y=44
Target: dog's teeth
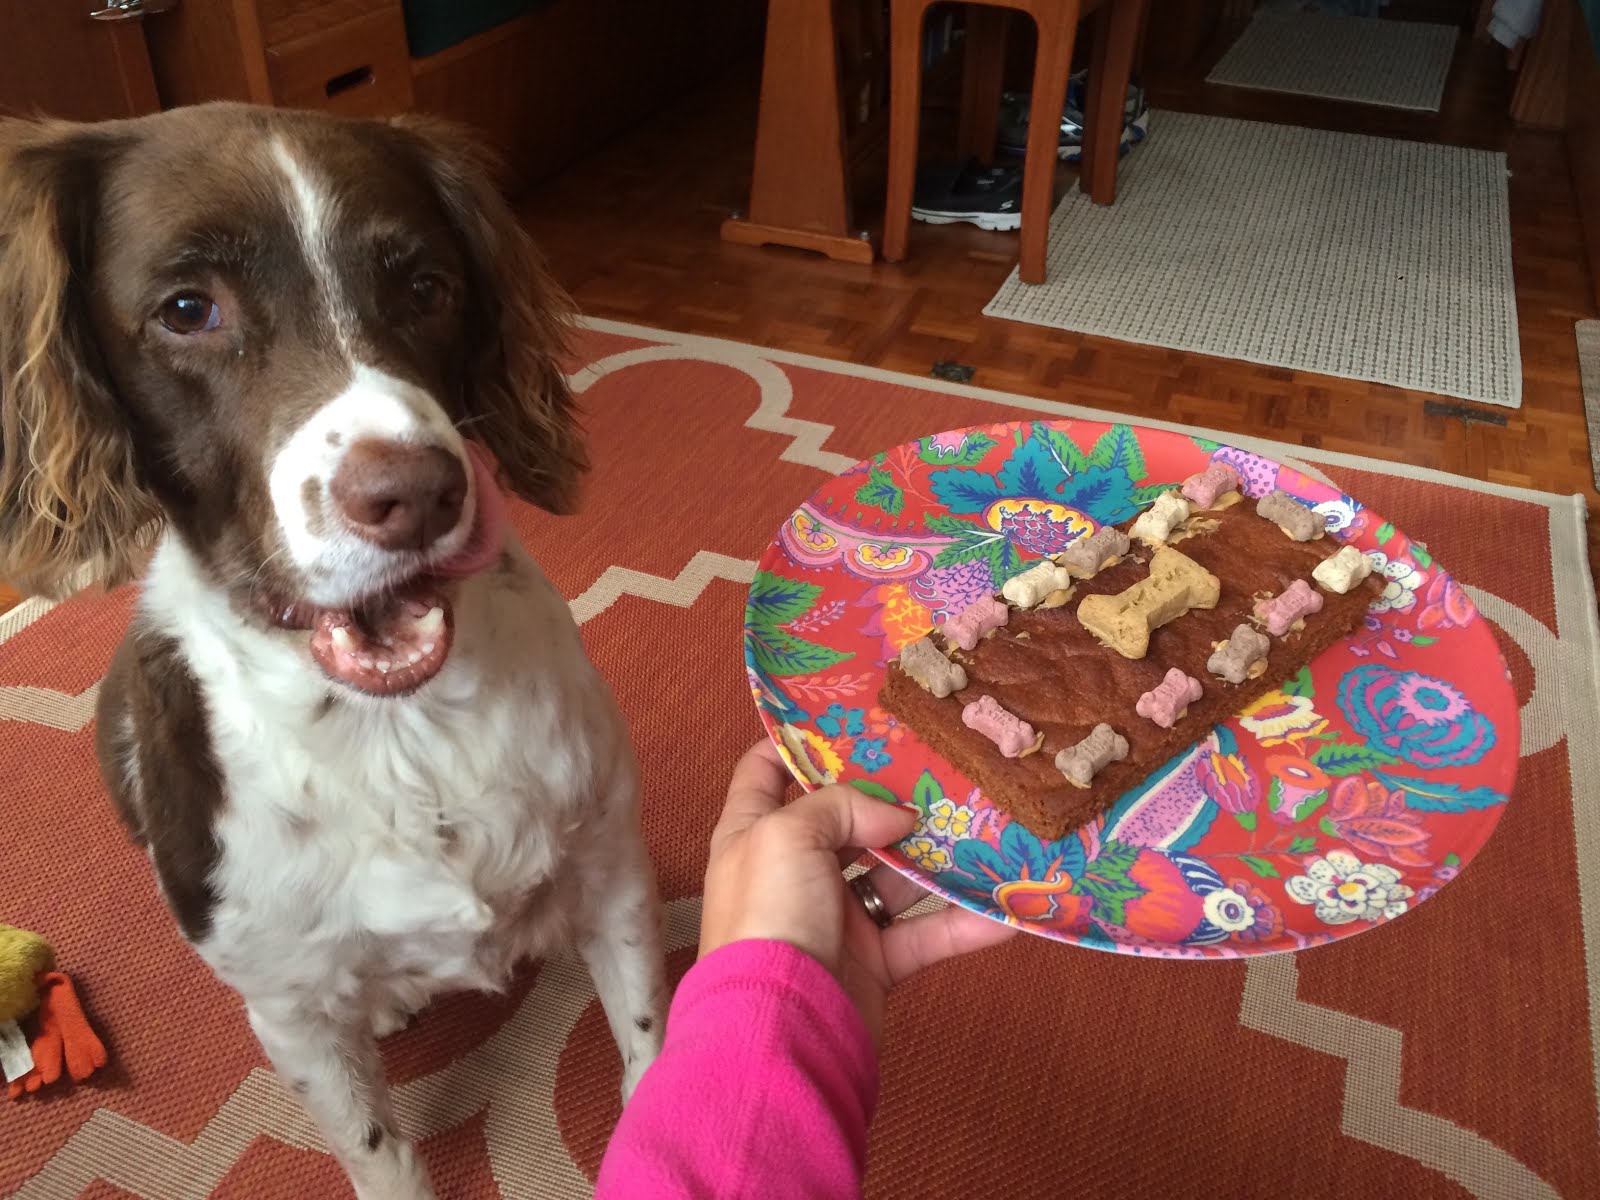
x=427, y=647
x=414, y=658
x=364, y=661
x=342, y=638
x=383, y=665
x=433, y=622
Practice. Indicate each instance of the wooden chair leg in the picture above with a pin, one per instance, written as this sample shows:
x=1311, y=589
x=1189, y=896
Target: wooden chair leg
x=1116, y=39
x=983, y=81
x=1052, y=66
x=905, y=101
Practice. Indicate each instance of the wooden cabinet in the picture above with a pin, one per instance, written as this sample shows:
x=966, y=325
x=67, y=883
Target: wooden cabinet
x=345, y=56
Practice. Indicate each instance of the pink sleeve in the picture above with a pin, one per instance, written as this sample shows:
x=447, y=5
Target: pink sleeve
x=765, y=1086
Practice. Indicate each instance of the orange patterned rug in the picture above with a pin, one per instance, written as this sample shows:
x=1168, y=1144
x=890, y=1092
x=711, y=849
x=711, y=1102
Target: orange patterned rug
x=1450, y=1054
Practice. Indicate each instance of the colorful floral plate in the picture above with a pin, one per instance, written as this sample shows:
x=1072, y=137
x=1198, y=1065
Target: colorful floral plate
x=1331, y=805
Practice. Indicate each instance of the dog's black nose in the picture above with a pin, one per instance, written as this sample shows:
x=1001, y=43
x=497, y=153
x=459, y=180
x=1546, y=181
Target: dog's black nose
x=398, y=496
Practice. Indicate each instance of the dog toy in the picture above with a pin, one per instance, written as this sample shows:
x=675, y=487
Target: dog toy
x=64, y=1041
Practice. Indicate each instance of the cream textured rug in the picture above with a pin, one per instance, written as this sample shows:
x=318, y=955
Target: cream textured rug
x=1337, y=253
x=1589, y=367
x=1399, y=64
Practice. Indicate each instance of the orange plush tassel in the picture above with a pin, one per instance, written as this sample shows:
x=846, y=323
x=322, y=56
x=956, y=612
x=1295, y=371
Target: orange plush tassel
x=65, y=1038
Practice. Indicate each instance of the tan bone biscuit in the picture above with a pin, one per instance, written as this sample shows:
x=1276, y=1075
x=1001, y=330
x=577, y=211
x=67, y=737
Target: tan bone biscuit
x=1176, y=584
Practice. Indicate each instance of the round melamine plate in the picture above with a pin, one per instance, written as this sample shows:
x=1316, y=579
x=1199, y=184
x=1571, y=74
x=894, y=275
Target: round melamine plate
x=1337, y=802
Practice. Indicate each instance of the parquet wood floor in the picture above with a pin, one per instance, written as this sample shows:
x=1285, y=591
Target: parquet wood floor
x=632, y=233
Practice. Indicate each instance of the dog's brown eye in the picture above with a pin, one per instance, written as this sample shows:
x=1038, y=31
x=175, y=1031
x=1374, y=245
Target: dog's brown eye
x=429, y=293
x=191, y=312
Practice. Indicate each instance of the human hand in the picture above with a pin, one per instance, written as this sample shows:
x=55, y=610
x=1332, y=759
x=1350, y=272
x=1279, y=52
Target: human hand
x=774, y=872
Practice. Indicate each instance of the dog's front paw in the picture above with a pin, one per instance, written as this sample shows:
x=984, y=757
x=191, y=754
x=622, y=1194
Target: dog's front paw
x=390, y=1019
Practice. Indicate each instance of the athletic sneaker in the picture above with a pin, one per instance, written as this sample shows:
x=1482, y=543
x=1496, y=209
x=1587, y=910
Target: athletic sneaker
x=989, y=197
x=1014, y=107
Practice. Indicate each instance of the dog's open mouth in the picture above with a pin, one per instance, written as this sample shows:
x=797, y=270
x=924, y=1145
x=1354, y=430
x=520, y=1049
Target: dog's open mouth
x=387, y=648
x=394, y=643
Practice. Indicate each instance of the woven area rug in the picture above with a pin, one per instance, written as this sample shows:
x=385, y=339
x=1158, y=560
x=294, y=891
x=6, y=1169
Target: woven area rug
x=1398, y=64
x=1588, y=333
x=1449, y=1054
x=1337, y=253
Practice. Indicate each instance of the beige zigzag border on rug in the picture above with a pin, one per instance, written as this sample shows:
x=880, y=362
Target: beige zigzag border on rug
x=531, y=1147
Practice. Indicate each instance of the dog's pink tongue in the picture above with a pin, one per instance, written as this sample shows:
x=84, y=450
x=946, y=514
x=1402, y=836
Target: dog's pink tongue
x=483, y=548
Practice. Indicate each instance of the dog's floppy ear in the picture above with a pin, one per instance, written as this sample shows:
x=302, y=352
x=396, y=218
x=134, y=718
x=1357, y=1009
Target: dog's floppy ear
x=69, y=492
x=518, y=401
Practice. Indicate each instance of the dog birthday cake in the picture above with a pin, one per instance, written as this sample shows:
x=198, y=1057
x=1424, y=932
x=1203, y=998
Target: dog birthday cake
x=1092, y=669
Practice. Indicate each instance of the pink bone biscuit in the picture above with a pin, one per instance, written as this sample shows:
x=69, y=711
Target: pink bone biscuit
x=1011, y=733
x=1206, y=488
x=975, y=620
x=1165, y=703
x=1298, y=600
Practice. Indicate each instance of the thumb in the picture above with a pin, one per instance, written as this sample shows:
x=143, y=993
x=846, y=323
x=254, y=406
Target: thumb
x=838, y=816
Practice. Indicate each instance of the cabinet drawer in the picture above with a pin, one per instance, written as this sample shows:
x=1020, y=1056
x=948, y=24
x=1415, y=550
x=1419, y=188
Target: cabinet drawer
x=361, y=68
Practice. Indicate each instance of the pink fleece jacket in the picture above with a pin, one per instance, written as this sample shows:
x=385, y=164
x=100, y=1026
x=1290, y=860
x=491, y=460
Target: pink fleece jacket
x=765, y=1087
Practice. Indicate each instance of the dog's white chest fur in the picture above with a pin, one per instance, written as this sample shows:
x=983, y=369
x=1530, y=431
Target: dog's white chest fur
x=376, y=850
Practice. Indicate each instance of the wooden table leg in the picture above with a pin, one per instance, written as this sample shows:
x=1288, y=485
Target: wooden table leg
x=1052, y=66
x=983, y=81
x=799, y=193
x=905, y=110
x=1116, y=38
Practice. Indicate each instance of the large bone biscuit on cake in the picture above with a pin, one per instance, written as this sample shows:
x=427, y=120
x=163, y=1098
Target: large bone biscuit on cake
x=1176, y=584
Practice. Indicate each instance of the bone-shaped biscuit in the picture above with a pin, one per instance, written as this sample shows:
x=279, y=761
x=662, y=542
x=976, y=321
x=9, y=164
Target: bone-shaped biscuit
x=1081, y=763
x=924, y=663
x=1209, y=486
x=1156, y=523
x=1176, y=584
x=976, y=619
x=1032, y=586
x=1242, y=656
x=1342, y=571
x=1086, y=556
x=1289, y=515
x=1006, y=730
x=1169, y=700
x=1281, y=612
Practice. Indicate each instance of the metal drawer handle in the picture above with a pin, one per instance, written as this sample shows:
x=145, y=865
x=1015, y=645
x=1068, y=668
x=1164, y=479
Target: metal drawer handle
x=127, y=10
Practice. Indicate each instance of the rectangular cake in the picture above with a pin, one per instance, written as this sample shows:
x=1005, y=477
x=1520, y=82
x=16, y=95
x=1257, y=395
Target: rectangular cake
x=1044, y=668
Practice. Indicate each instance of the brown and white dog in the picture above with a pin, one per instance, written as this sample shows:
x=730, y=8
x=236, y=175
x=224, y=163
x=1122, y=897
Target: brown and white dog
x=352, y=722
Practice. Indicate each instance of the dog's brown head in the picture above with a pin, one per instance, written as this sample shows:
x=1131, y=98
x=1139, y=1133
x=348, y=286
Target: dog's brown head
x=273, y=331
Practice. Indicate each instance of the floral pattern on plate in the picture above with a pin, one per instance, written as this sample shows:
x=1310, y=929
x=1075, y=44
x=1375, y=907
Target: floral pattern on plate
x=1336, y=802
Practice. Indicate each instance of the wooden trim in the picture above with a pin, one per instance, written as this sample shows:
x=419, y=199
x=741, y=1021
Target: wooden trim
x=839, y=248
x=1583, y=135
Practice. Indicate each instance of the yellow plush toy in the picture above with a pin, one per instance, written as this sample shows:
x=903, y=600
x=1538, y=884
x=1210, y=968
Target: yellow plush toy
x=64, y=1037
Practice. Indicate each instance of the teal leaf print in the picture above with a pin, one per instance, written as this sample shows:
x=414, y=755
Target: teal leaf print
x=1385, y=532
x=1066, y=451
x=1299, y=684
x=1105, y=881
x=972, y=451
x=775, y=600
x=1303, y=845
x=1146, y=495
x=881, y=491
x=1420, y=556
x=1205, y=444
x=1247, y=821
x=1427, y=795
x=780, y=653
x=1347, y=758
x=1260, y=866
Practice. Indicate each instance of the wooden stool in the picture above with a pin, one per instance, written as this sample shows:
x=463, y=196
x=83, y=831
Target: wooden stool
x=1116, y=36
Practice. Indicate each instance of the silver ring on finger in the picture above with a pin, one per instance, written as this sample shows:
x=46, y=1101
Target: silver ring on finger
x=861, y=885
